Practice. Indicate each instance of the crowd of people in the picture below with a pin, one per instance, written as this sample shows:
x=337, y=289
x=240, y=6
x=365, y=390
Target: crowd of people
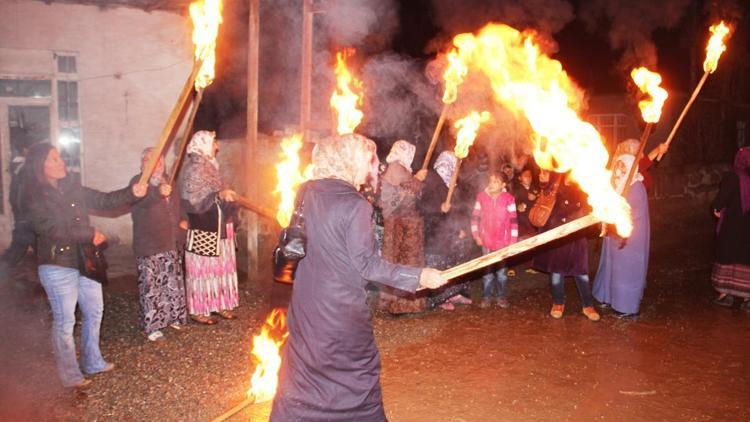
x=391, y=241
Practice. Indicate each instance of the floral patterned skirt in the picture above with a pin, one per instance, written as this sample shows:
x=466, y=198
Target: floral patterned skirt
x=161, y=288
x=211, y=281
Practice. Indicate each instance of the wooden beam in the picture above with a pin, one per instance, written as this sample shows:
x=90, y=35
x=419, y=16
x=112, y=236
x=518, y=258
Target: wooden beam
x=251, y=174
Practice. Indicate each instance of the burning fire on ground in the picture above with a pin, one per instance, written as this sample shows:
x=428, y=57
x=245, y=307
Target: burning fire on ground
x=206, y=16
x=346, y=99
x=532, y=85
x=266, y=356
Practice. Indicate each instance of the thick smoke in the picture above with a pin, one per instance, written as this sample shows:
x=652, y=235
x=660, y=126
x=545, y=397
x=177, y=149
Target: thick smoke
x=546, y=16
x=630, y=24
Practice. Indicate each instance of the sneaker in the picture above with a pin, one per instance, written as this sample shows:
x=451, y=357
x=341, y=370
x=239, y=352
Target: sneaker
x=155, y=336
x=724, y=300
x=460, y=299
x=503, y=303
x=591, y=313
x=627, y=316
x=176, y=326
x=557, y=311
x=485, y=303
x=447, y=306
x=84, y=383
x=745, y=306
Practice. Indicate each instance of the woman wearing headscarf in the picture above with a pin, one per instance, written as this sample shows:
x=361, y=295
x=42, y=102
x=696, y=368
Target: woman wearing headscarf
x=403, y=238
x=731, y=272
x=330, y=366
x=621, y=277
x=568, y=256
x=447, y=228
x=159, y=223
x=59, y=209
x=210, y=264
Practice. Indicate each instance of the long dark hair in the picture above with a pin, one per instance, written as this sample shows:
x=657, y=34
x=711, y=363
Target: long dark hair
x=33, y=180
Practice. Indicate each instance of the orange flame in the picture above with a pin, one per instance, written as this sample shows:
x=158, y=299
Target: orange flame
x=715, y=46
x=531, y=84
x=265, y=354
x=289, y=177
x=347, y=96
x=467, y=132
x=206, y=16
x=453, y=76
x=648, y=82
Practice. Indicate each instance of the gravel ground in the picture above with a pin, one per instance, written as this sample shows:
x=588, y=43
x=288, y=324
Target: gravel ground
x=685, y=359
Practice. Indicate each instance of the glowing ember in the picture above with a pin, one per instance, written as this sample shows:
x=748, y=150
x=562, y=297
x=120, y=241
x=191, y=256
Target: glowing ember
x=265, y=353
x=206, y=16
x=290, y=177
x=531, y=84
x=454, y=74
x=648, y=82
x=467, y=131
x=715, y=46
x=347, y=96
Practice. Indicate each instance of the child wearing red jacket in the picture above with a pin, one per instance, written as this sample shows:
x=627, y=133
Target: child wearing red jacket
x=494, y=226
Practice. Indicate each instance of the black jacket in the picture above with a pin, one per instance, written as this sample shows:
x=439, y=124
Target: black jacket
x=60, y=218
x=156, y=221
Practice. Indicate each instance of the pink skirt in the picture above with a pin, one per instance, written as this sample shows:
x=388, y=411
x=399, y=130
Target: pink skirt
x=211, y=281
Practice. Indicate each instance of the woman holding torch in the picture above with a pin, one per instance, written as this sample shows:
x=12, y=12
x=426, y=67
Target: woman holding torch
x=59, y=211
x=210, y=265
x=330, y=366
x=159, y=224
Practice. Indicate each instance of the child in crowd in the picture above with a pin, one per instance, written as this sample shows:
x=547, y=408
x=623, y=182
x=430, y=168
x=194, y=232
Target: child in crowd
x=494, y=226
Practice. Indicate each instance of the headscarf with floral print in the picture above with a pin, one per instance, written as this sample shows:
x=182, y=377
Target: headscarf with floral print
x=344, y=157
x=445, y=165
x=402, y=152
x=202, y=143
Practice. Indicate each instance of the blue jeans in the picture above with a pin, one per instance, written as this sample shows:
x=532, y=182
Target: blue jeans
x=557, y=285
x=65, y=288
x=496, y=276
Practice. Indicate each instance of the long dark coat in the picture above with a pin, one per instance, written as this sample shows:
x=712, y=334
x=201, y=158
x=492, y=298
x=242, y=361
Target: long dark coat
x=330, y=367
x=733, y=242
x=567, y=256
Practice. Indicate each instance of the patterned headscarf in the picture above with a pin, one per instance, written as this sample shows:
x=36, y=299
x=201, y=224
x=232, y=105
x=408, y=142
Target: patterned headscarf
x=742, y=169
x=157, y=176
x=402, y=152
x=445, y=165
x=343, y=157
x=619, y=177
x=628, y=146
x=202, y=143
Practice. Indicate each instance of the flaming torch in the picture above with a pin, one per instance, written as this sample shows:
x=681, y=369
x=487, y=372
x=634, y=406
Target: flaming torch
x=649, y=83
x=467, y=133
x=714, y=49
x=266, y=356
x=347, y=96
x=453, y=76
x=206, y=15
x=290, y=177
x=536, y=87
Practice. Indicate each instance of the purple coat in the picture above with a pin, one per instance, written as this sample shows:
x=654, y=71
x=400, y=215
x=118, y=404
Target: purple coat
x=330, y=368
x=567, y=256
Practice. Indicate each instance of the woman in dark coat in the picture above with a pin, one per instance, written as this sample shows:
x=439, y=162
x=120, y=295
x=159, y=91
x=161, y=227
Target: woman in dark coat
x=158, y=240
x=59, y=210
x=731, y=272
x=567, y=256
x=330, y=366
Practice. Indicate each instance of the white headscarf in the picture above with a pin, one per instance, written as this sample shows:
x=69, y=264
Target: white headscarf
x=402, y=152
x=343, y=157
x=619, y=176
x=202, y=143
x=445, y=165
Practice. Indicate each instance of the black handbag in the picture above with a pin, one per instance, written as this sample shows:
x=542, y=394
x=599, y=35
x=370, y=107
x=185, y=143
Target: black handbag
x=292, y=242
x=92, y=263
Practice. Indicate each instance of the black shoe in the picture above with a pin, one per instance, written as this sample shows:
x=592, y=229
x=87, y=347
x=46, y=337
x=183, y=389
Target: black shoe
x=627, y=316
x=726, y=301
x=605, y=306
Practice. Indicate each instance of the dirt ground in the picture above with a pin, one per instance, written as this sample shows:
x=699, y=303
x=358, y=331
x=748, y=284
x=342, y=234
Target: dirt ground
x=685, y=359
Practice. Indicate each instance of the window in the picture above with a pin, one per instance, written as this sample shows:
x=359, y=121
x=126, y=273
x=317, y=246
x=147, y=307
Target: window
x=67, y=100
x=25, y=88
x=68, y=112
x=66, y=64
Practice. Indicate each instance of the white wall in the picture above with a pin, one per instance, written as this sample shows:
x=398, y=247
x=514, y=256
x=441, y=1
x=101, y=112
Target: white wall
x=131, y=67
